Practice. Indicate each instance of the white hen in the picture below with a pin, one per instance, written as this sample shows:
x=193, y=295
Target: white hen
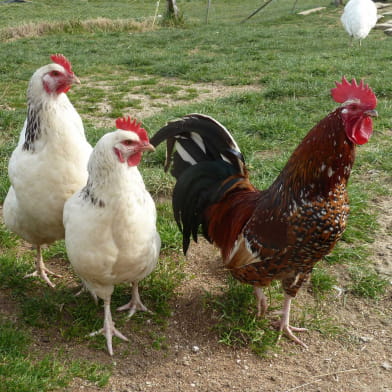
x=110, y=224
x=359, y=17
x=49, y=163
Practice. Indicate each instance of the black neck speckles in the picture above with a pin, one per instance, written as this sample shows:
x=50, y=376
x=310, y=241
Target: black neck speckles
x=33, y=127
x=88, y=195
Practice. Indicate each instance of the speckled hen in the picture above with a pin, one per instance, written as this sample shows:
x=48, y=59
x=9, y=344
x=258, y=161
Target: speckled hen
x=281, y=232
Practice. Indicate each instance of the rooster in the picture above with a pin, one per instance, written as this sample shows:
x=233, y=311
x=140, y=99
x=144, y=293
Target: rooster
x=281, y=232
x=49, y=163
x=110, y=224
x=358, y=18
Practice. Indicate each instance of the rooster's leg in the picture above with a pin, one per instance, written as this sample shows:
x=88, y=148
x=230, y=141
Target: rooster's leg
x=108, y=329
x=41, y=270
x=261, y=301
x=135, y=303
x=284, y=326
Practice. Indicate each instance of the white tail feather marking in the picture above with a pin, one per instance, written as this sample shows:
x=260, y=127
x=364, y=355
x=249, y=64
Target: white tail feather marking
x=198, y=140
x=184, y=154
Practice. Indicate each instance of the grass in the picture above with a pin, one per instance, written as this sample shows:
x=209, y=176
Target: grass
x=22, y=372
x=238, y=324
x=291, y=63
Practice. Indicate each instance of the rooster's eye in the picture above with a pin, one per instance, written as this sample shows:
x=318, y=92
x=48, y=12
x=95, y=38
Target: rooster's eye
x=55, y=73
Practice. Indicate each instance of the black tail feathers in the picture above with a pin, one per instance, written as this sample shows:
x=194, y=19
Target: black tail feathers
x=205, y=155
x=197, y=138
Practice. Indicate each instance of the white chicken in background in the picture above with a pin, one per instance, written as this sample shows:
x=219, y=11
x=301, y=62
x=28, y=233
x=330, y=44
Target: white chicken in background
x=359, y=17
x=49, y=163
x=110, y=224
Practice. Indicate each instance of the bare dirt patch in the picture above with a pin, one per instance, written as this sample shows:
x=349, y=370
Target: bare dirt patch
x=151, y=99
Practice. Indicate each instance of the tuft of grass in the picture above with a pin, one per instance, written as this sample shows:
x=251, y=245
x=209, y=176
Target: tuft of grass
x=322, y=282
x=314, y=318
x=170, y=235
x=8, y=240
x=366, y=283
x=238, y=324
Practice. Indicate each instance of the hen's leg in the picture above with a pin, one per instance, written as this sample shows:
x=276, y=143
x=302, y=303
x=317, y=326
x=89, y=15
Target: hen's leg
x=108, y=329
x=41, y=270
x=83, y=289
x=135, y=303
x=285, y=327
x=261, y=299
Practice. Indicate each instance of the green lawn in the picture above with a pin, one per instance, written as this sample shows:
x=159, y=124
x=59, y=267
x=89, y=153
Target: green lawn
x=291, y=61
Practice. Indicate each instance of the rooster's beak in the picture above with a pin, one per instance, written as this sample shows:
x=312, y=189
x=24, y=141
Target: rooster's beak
x=371, y=113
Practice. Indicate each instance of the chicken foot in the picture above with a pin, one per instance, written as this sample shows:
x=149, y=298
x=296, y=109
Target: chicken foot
x=135, y=303
x=41, y=269
x=109, y=329
x=261, y=299
x=283, y=325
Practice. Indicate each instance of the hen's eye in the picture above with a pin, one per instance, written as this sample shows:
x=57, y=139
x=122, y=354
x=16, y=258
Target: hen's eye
x=55, y=73
x=127, y=142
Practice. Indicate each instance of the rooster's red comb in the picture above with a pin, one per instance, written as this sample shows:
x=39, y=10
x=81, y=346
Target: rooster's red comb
x=346, y=91
x=127, y=124
x=60, y=59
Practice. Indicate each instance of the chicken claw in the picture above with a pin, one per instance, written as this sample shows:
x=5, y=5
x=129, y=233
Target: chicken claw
x=284, y=326
x=109, y=329
x=135, y=303
x=41, y=270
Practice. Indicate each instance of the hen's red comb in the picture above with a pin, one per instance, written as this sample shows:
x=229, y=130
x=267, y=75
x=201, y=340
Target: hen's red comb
x=62, y=60
x=126, y=124
x=346, y=91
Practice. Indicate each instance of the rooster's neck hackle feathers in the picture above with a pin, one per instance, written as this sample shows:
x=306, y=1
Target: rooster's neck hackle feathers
x=321, y=161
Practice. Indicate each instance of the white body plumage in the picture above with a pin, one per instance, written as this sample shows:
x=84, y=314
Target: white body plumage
x=110, y=224
x=359, y=17
x=110, y=227
x=45, y=176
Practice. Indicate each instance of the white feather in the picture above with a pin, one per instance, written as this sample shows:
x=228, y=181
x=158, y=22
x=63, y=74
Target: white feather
x=185, y=156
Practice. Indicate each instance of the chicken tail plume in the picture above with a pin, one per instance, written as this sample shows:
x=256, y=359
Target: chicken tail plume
x=207, y=164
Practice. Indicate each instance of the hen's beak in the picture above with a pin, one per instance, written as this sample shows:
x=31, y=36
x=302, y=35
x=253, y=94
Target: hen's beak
x=147, y=147
x=74, y=79
x=371, y=113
